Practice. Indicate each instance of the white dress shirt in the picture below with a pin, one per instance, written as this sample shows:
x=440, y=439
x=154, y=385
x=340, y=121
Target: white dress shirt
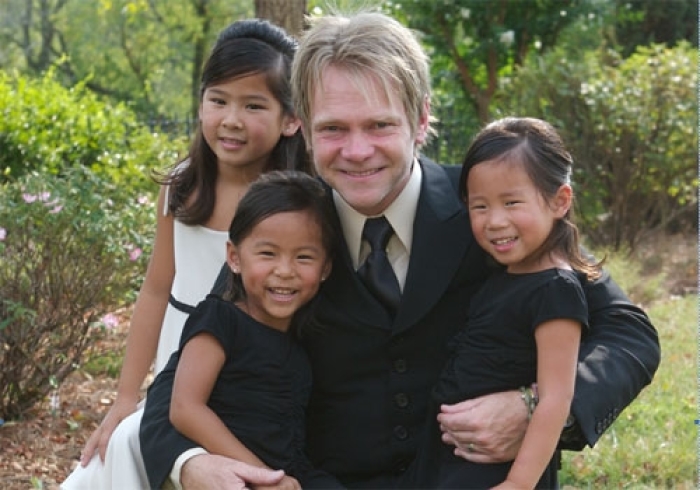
x=401, y=214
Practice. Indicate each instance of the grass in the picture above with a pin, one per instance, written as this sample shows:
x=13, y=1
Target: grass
x=653, y=444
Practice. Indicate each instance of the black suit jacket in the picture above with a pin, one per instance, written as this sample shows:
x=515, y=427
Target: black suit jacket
x=373, y=376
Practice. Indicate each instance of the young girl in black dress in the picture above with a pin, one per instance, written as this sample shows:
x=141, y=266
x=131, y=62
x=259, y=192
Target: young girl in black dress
x=239, y=383
x=525, y=323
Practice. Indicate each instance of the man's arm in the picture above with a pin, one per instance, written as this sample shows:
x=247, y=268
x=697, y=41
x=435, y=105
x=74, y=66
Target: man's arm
x=617, y=359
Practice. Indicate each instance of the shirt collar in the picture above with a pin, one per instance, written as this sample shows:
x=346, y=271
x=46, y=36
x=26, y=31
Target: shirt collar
x=401, y=214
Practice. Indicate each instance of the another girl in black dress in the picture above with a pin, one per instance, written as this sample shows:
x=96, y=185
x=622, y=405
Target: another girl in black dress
x=239, y=383
x=525, y=323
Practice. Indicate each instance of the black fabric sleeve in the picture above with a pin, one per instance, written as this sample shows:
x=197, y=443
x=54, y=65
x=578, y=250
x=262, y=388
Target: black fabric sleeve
x=618, y=358
x=317, y=479
x=161, y=444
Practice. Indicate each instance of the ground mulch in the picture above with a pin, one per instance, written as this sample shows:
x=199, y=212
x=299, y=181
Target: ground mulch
x=41, y=449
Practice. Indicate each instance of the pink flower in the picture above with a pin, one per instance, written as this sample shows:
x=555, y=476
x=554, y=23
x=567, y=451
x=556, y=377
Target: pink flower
x=143, y=200
x=56, y=209
x=29, y=198
x=110, y=320
x=3, y=234
x=44, y=196
x=135, y=254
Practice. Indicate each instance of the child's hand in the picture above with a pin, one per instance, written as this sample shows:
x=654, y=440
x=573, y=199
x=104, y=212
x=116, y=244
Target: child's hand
x=97, y=443
x=509, y=485
x=287, y=483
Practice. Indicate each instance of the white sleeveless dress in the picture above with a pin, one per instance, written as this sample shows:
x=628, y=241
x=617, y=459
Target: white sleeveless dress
x=199, y=255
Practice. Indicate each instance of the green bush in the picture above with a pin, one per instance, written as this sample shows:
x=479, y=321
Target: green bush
x=74, y=249
x=48, y=128
x=76, y=225
x=631, y=124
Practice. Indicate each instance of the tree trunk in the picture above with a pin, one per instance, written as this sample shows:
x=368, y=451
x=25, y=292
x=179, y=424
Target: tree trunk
x=288, y=14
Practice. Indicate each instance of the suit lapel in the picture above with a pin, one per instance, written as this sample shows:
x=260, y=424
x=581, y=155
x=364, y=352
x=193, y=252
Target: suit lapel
x=441, y=236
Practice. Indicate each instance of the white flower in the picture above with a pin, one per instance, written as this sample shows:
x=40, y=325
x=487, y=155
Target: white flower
x=507, y=37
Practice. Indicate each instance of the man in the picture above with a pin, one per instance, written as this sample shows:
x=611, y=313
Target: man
x=361, y=88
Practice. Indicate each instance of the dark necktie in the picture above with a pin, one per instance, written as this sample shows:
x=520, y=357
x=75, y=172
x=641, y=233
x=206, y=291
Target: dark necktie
x=376, y=272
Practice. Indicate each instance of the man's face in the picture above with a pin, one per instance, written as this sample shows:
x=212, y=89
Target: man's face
x=362, y=142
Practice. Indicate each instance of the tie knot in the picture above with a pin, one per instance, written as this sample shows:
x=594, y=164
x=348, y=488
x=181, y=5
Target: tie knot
x=377, y=232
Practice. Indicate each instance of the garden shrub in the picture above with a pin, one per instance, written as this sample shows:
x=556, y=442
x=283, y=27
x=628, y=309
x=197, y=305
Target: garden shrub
x=76, y=224
x=632, y=127
x=45, y=127
x=73, y=249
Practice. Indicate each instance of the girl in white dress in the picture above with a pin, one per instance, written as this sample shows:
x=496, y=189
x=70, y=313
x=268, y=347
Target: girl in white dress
x=246, y=127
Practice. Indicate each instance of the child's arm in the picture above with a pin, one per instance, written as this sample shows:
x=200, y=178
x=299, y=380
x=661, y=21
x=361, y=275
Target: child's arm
x=144, y=331
x=149, y=310
x=200, y=362
x=557, y=354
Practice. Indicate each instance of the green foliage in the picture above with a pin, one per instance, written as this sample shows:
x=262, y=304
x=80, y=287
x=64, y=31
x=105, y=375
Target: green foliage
x=147, y=54
x=652, y=443
x=47, y=128
x=73, y=249
x=631, y=125
x=475, y=43
x=641, y=22
x=109, y=364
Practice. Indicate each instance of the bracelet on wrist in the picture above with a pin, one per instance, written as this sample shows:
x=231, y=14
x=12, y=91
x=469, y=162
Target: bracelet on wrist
x=530, y=398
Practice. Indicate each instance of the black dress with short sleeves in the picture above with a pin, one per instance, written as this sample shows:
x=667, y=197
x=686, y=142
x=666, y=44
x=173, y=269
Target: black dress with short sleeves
x=261, y=392
x=495, y=352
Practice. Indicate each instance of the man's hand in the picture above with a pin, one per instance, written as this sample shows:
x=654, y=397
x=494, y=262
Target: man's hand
x=287, y=483
x=488, y=429
x=214, y=472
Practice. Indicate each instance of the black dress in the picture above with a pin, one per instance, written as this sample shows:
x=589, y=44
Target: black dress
x=496, y=352
x=261, y=393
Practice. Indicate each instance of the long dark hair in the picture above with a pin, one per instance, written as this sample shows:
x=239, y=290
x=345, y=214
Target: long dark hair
x=538, y=147
x=243, y=48
x=280, y=192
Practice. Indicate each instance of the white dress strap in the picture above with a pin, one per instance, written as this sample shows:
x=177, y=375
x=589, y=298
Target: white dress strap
x=166, y=200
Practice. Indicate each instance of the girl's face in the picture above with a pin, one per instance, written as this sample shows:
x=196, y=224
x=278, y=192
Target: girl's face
x=281, y=263
x=242, y=121
x=509, y=217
